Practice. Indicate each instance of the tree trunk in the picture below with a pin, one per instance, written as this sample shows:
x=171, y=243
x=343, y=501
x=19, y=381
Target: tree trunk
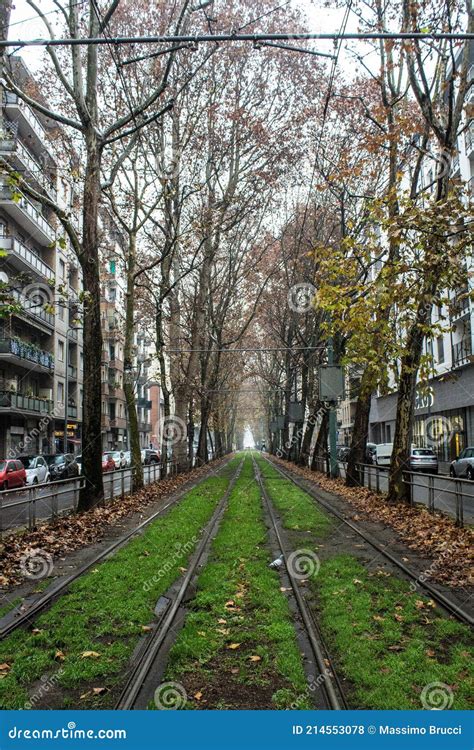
x=321, y=447
x=398, y=491
x=129, y=385
x=358, y=449
x=93, y=492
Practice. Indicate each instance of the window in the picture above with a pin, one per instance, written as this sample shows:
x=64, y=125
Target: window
x=61, y=312
x=440, y=346
x=82, y=362
x=387, y=433
x=112, y=266
x=3, y=229
x=61, y=393
x=61, y=351
x=62, y=269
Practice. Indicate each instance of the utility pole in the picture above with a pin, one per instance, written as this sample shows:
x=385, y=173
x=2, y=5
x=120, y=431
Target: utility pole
x=333, y=464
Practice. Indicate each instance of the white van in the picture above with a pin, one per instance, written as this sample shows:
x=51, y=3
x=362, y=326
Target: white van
x=383, y=454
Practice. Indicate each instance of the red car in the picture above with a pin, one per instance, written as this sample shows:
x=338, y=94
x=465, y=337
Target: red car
x=108, y=463
x=12, y=474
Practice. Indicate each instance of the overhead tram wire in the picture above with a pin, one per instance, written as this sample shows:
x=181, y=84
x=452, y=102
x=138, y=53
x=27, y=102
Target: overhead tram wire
x=213, y=38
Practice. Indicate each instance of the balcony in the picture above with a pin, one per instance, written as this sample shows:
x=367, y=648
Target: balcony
x=27, y=354
x=26, y=122
x=460, y=306
x=116, y=364
x=119, y=423
x=143, y=403
x=144, y=427
x=32, y=311
x=469, y=139
x=462, y=353
x=24, y=162
x=72, y=372
x=21, y=402
x=26, y=215
x=105, y=421
x=23, y=258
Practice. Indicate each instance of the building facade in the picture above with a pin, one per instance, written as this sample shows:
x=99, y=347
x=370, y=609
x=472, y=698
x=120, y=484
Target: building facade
x=40, y=376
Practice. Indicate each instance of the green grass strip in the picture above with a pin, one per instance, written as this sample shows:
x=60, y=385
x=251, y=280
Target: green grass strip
x=389, y=640
x=258, y=618
x=297, y=510
x=105, y=610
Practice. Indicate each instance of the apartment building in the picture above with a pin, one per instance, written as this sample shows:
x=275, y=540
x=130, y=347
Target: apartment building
x=115, y=430
x=40, y=337
x=444, y=412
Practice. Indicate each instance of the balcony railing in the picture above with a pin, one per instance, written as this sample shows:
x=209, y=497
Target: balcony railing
x=461, y=306
x=10, y=98
x=72, y=411
x=462, y=351
x=118, y=423
x=33, y=311
x=469, y=137
x=14, y=147
x=29, y=257
x=25, y=350
x=72, y=372
x=6, y=193
x=143, y=403
x=22, y=402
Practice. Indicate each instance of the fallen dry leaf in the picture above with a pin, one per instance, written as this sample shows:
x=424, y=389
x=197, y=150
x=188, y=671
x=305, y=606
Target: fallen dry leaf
x=59, y=656
x=255, y=657
x=90, y=655
x=233, y=645
x=198, y=695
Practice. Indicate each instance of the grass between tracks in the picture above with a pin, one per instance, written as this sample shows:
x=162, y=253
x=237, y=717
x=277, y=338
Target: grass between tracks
x=81, y=646
x=387, y=639
x=238, y=647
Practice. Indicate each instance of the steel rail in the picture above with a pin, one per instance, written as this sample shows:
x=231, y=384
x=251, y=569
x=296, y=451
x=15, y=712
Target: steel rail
x=27, y=617
x=443, y=600
x=139, y=674
x=319, y=649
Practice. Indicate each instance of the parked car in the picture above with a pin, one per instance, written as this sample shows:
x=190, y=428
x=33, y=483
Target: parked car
x=463, y=465
x=150, y=456
x=12, y=474
x=423, y=459
x=62, y=466
x=79, y=462
x=383, y=454
x=128, y=458
x=36, y=469
x=108, y=463
x=370, y=453
x=118, y=457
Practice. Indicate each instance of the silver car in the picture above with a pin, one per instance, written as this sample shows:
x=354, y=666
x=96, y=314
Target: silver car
x=463, y=465
x=423, y=459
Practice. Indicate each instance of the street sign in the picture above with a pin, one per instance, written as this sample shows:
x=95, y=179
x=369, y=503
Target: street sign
x=295, y=412
x=331, y=382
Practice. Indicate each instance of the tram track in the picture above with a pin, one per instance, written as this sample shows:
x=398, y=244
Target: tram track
x=15, y=620
x=439, y=597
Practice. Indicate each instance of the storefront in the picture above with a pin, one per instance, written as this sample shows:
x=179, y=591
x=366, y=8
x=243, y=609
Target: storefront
x=73, y=437
x=444, y=415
